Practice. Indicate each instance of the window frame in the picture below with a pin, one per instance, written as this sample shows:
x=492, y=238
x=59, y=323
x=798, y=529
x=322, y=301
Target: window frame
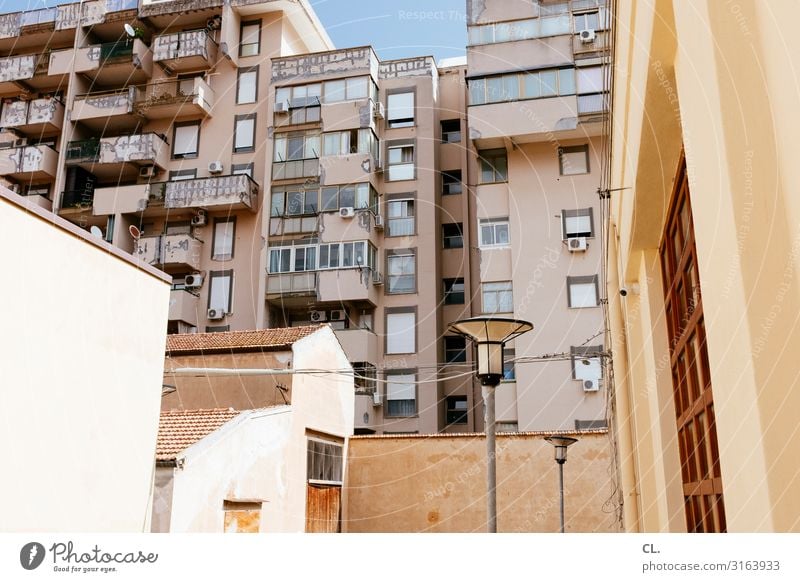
x=577, y=213
x=488, y=158
x=223, y=220
x=586, y=353
x=181, y=175
x=445, y=237
x=221, y=274
x=448, y=352
x=394, y=373
x=400, y=311
x=448, y=292
x=509, y=288
x=400, y=254
x=448, y=132
x=493, y=223
x=583, y=280
x=249, y=167
x=399, y=145
x=573, y=150
x=244, y=71
x=401, y=198
x=239, y=118
x=455, y=178
x=401, y=122
x=242, y=26
x=185, y=156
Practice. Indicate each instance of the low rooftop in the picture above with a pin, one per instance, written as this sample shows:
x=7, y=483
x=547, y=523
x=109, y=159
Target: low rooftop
x=180, y=429
x=266, y=339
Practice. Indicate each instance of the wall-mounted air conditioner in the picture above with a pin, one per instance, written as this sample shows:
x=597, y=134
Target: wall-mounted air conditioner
x=200, y=218
x=380, y=110
x=347, y=212
x=281, y=107
x=215, y=313
x=317, y=316
x=377, y=398
x=576, y=245
x=147, y=171
x=591, y=385
x=338, y=315
x=193, y=281
x=215, y=167
x=588, y=35
x=379, y=222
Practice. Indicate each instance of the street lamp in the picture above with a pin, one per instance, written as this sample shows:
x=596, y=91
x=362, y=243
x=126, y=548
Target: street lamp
x=561, y=443
x=490, y=334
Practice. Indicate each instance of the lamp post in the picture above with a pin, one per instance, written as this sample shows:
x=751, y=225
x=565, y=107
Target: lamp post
x=490, y=334
x=561, y=443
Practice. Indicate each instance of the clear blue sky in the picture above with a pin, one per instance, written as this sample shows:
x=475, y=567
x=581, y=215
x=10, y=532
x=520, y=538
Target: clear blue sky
x=396, y=29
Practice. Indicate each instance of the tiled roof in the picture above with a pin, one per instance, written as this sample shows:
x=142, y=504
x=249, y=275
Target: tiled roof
x=280, y=337
x=180, y=429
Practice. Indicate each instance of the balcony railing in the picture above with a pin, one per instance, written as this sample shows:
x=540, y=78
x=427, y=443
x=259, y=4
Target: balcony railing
x=18, y=67
x=37, y=17
x=594, y=103
x=238, y=190
x=292, y=283
x=38, y=111
x=108, y=150
x=180, y=45
x=109, y=51
x=180, y=250
x=290, y=169
x=85, y=150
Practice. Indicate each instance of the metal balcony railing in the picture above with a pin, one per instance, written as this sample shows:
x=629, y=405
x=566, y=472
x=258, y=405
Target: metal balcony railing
x=110, y=51
x=86, y=150
x=40, y=16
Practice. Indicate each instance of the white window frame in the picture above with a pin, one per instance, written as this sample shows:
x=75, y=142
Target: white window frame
x=502, y=293
x=583, y=292
x=397, y=114
x=494, y=224
x=224, y=237
x=404, y=339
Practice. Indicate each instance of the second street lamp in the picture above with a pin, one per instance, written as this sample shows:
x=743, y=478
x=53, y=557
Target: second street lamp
x=490, y=335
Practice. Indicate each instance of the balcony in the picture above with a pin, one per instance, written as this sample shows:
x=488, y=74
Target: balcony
x=185, y=51
x=184, y=306
x=41, y=71
x=286, y=286
x=116, y=63
x=360, y=345
x=355, y=285
x=365, y=421
x=28, y=163
x=291, y=169
x=169, y=251
x=33, y=118
x=102, y=108
x=237, y=192
x=119, y=157
x=120, y=199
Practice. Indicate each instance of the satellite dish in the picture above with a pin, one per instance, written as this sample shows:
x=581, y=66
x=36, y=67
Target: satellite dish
x=95, y=230
x=135, y=232
x=130, y=30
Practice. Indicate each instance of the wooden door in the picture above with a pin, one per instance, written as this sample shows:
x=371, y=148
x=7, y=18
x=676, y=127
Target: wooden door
x=323, y=508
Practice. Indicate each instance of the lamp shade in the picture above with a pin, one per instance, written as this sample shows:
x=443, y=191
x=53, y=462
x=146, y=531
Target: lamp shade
x=490, y=335
x=561, y=443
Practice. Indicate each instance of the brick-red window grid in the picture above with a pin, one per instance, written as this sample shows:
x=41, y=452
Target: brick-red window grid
x=691, y=378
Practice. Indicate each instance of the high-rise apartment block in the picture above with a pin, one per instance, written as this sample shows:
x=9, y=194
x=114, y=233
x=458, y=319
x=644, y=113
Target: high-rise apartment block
x=281, y=182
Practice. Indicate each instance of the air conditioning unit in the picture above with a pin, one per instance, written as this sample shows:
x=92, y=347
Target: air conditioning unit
x=577, y=244
x=193, y=281
x=379, y=222
x=215, y=167
x=347, y=212
x=15, y=188
x=199, y=219
x=317, y=316
x=587, y=35
x=21, y=141
x=377, y=278
x=338, y=315
x=591, y=385
x=378, y=166
x=380, y=110
x=377, y=398
x=281, y=107
x=147, y=171
x=215, y=313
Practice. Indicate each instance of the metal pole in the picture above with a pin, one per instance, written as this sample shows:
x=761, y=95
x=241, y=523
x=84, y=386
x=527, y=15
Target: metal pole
x=561, y=492
x=491, y=461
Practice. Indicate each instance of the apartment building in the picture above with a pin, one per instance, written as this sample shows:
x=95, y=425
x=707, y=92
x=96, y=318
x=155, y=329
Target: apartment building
x=536, y=115
x=147, y=124
x=281, y=182
x=704, y=240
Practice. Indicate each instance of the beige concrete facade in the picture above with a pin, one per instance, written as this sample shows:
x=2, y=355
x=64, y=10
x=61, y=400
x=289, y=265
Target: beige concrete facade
x=437, y=484
x=80, y=394
x=710, y=79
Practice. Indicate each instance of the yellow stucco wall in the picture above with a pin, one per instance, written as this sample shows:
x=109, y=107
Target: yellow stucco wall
x=438, y=484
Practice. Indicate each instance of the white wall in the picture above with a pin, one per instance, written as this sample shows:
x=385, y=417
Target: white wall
x=81, y=364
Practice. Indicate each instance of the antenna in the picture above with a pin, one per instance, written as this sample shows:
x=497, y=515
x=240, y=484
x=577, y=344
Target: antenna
x=130, y=31
x=95, y=230
x=135, y=232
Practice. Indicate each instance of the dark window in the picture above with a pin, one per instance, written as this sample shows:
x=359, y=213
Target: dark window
x=452, y=236
x=451, y=131
x=494, y=166
x=457, y=411
x=324, y=461
x=455, y=349
x=242, y=169
x=454, y=291
x=509, y=370
x=177, y=175
x=451, y=182
x=217, y=328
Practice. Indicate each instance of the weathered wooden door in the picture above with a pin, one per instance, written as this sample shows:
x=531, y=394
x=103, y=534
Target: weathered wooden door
x=323, y=508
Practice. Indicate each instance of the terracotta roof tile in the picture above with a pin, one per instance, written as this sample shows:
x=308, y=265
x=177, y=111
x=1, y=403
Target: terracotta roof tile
x=227, y=340
x=180, y=429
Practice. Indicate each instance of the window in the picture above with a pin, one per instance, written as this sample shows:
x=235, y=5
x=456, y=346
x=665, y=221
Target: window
x=359, y=196
x=217, y=328
x=347, y=254
x=590, y=424
x=451, y=182
x=494, y=166
x=583, y=291
x=401, y=271
x=454, y=291
x=220, y=291
x=401, y=333
x=457, y=412
x=247, y=86
x=451, y=131
x=241, y=517
x=586, y=362
x=497, y=297
x=400, y=109
x=455, y=349
x=178, y=227
x=324, y=461
x=452, y=236
x=237, y=169
x=222, y=246
x=554, y=21
x=37, y=190
x=346, y=89
x=295, y=155
x=400, y=218
x=587, y=21
x=342, y=143
x=509, y=370
x=244, y=133
x=573, y=160
x=185, y=140
x=494, y=233
x=178, y=175
x=303, y=103
x=525, y=85
x=401, y=394
x=186, y=83
x=293, y=201
x=292, y=259
x=576, y=223
x=365, y=376
x=250, y=38
x=400, y=162
x=589, y=79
